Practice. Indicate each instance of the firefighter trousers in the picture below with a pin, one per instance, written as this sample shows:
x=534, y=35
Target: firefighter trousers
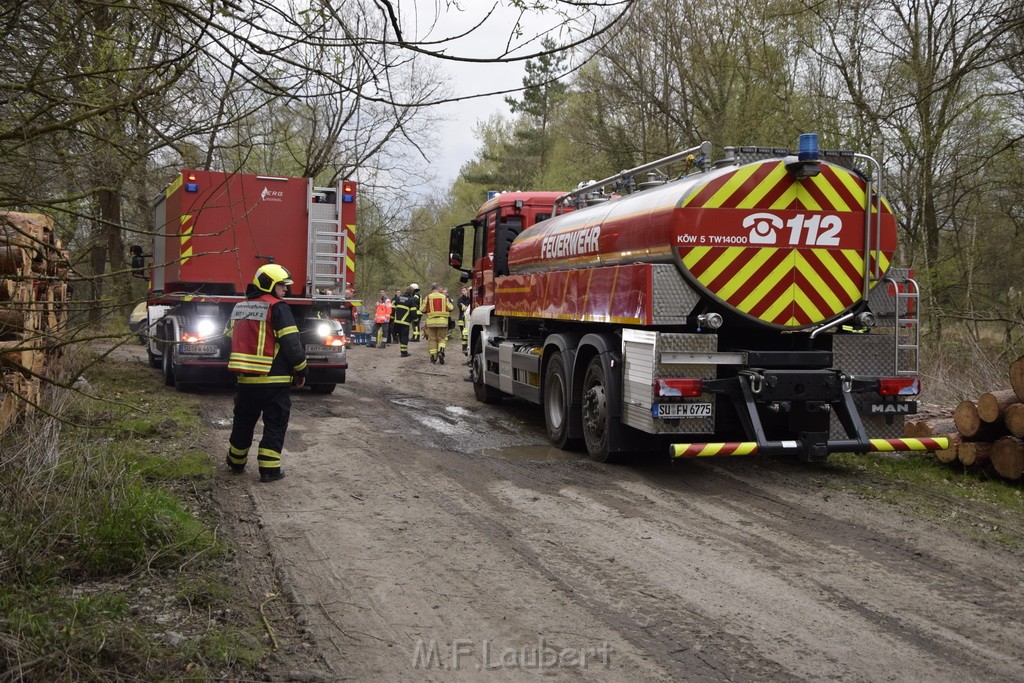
x=403, y=336
x=274, y=403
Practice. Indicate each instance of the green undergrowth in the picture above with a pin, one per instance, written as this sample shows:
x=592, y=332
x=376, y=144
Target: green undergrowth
x=110, y=566
x=975, y=501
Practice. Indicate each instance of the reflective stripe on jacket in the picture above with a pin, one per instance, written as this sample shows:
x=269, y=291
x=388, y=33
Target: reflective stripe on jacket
x=403, y=306
x=265, y=342
x=436, y=307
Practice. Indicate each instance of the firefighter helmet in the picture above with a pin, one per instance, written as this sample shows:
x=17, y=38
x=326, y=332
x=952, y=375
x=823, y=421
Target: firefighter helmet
x=415, y=286
x=270, y=275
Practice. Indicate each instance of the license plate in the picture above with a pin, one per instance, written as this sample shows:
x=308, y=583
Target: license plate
x=678, y=410
x=320, y=348
x=200, y=349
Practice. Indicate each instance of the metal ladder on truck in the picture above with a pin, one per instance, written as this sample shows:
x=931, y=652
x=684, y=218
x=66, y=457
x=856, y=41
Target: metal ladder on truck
x=905, y=291
x=326, y=272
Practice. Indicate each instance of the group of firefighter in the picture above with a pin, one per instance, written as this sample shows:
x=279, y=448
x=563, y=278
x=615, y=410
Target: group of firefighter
x=398, y=320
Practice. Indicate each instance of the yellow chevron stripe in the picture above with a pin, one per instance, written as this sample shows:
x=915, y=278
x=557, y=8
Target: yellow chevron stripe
x=829, y=190
x=720, y=264
x=782, y=303
x=184, y=238
x=746, y=272
x=757, y=194
x=850, y=287
x=694, y=256
x=173, y=187
x=771, y=280
x=824, y=289
x=731, y=187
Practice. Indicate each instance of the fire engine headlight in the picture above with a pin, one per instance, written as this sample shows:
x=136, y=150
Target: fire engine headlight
x=323, y=329
x=205, y=327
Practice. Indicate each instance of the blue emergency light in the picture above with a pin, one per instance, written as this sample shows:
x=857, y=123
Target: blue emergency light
x=808, y=147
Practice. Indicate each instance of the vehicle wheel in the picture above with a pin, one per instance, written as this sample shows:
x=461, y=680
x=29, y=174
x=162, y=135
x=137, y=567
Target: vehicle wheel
x=484, y=393
x=595, y=411
x=322, y=388
x=154, y=360
x=556, y=404
x=168, y=364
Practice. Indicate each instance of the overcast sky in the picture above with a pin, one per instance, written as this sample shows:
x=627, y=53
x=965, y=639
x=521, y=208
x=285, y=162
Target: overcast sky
x=457, y=144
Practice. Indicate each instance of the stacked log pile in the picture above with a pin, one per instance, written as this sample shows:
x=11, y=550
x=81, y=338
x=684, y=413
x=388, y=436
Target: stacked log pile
x=989, y=431
x=33, y=292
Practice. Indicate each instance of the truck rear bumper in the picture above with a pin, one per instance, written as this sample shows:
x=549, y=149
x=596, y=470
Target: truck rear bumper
x=703, y=450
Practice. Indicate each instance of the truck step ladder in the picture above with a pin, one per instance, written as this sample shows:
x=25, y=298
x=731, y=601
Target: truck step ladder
x=327, y=243
x=908, y=329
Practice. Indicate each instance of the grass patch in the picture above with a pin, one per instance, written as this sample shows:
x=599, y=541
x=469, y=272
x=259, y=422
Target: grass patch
x=974, y=501
x=116, y=571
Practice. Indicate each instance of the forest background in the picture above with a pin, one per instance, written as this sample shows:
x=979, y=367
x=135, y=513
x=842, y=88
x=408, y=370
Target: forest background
x=103, y=104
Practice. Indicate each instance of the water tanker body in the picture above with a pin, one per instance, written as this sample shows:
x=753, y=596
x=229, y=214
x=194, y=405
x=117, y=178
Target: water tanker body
x=748, y=306
x=754, y=241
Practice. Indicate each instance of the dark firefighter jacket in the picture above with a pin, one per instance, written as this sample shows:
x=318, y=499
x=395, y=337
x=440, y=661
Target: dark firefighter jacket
x=404, y=307
x=266, y=347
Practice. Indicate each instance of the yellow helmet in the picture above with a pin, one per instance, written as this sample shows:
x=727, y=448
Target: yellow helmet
x=270, y=275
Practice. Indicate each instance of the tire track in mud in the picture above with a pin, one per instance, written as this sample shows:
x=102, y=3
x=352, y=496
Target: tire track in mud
x=779, y=519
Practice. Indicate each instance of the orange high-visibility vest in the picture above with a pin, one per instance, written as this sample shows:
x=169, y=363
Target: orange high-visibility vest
x=383, y=313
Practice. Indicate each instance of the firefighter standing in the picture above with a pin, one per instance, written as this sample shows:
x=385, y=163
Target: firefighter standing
x=463, y=305
x=381, y=322
x=403, y=306
x=437, y=309
x=392, y=327
x=266, y=351
x=414, y=321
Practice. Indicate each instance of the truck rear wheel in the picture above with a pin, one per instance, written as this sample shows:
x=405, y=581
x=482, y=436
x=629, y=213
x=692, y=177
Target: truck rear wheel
x=322, y=388
x=484, y=393
x=595, y=411
x=556, y=404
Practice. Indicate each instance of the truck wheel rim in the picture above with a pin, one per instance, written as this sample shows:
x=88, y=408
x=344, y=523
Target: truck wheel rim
x=595, y=409
x=555, y=402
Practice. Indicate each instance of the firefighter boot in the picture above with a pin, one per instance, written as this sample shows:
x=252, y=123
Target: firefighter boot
x=433, y=358
x=235, y=467
x=440, y=356
x=268, y=475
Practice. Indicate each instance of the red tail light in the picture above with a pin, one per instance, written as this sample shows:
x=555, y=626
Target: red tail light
x=899, y=386
x=675, y=386
x=334, y=340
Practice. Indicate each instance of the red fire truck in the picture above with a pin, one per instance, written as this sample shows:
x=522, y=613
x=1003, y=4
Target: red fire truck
x=211, y=231
x=746, y=305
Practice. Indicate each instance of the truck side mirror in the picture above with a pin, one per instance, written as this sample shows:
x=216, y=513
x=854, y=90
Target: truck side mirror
x=456, y=243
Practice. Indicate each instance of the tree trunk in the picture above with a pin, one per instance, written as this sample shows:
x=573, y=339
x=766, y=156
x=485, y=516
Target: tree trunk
x=1017, y=377
x=969, y=423
x=1008, y=457
x=992, y=405
x=1014, y=419
x=974, y=452
x=950, y=454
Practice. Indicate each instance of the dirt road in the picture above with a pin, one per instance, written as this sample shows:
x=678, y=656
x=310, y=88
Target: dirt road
x=421, y=533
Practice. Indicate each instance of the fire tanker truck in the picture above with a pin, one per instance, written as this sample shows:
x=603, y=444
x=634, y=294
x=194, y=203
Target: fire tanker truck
x=747, y=305
x=211, y=231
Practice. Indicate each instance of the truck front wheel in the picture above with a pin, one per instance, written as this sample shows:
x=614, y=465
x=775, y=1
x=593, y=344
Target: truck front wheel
x=556, y=404
x=595, y=411
x=484, y=392
x=168, y=363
